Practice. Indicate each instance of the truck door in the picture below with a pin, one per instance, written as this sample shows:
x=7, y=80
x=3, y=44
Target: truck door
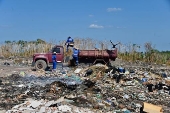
x=50, y=57
x=59, y=53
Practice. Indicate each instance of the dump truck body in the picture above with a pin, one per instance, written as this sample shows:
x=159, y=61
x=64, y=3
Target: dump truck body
x=106, y=54
x=97, y=55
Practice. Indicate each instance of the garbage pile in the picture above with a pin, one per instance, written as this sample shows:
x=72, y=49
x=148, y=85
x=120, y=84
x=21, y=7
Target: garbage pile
x=87, y=89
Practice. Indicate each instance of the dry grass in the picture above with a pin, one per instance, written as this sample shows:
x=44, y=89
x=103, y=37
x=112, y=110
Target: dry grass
x=129, y=52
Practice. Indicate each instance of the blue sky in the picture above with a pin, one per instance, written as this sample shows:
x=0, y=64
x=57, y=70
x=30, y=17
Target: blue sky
x=127, y=21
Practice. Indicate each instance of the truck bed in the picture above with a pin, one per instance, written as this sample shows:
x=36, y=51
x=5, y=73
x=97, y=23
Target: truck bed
x=110, y=54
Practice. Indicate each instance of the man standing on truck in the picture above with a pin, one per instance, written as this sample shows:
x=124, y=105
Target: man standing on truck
x=69, y=43
x=75, y=55
x=54, y=59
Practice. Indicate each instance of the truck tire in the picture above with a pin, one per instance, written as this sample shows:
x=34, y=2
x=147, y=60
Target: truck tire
x=40, y=65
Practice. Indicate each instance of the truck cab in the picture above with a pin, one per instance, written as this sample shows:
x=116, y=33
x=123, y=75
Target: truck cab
x=42, y=61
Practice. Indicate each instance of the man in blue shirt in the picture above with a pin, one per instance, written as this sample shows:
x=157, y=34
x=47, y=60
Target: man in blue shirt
x=69, y=43
x=75, y=55
x=54, y=60
x=121, y=72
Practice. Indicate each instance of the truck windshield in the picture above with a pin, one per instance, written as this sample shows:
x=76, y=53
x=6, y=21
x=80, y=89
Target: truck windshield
x=57, y=50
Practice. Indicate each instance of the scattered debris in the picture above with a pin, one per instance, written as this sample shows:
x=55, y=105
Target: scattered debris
x=87, y=89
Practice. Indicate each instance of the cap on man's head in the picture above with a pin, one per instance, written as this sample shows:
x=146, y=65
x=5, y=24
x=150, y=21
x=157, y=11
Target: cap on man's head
x=54, y=52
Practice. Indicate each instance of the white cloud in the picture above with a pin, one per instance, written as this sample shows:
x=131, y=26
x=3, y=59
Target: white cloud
x=95, y=26
x=91, y=15
x=120, y=27
x=113, y=9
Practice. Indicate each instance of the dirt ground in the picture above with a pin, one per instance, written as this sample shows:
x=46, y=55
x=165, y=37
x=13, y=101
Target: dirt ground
x=7, y=70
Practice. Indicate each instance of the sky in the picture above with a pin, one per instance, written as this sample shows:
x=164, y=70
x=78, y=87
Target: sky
x=125, y=21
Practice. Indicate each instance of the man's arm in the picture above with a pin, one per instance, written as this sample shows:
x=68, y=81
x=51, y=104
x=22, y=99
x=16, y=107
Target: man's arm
x=66, y=42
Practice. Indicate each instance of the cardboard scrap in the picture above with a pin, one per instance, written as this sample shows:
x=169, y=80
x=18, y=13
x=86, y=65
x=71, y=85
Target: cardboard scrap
x=150, y=108
x=167, y=82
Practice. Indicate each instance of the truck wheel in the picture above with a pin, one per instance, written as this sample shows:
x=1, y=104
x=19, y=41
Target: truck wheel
x=40, y=65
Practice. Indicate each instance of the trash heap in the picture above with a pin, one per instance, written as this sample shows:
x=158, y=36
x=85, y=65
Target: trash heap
x=87, y=89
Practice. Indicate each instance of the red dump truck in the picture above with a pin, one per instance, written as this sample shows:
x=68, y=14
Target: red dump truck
x=44, y=60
